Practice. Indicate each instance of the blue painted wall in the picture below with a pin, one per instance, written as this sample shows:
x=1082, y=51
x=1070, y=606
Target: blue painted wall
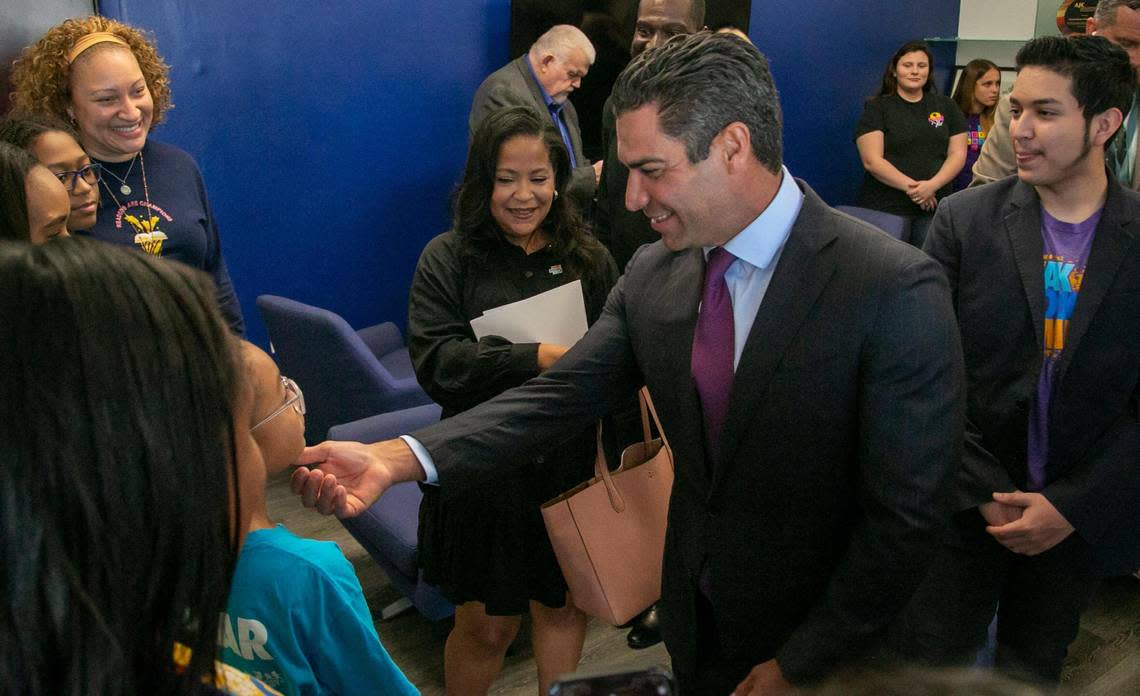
x=332, y=134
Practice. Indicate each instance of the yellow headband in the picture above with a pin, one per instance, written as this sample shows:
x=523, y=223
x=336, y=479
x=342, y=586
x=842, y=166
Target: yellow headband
x=90, y=40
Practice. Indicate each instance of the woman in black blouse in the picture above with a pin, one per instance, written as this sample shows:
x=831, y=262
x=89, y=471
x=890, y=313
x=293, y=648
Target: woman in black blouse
x=515, y=236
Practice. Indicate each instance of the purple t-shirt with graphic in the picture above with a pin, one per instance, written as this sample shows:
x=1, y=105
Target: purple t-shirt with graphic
x=1066, y=253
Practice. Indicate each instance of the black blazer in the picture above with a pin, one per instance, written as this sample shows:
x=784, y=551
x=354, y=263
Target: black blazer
x=845, y=421
x=989, y=241
x=513, y=85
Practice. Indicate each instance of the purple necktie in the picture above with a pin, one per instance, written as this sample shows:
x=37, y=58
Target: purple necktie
x=713, y=349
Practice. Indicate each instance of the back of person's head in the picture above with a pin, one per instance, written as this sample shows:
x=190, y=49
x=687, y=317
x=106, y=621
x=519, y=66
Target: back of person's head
x=1101, y=75
x=701, y=83
x=561, y=40
x=889, y=84
x=15, y=163
x=117, y=385
x=1106, y=10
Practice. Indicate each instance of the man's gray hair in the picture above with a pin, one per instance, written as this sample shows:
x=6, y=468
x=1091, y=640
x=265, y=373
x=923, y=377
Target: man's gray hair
x=1105, y=14
x=561, y=39
x=701, y=83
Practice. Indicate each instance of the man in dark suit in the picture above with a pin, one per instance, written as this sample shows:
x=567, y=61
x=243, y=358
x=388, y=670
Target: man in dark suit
x=622, y=230
x=1045, y=271
x=543, y=79
x=809, y=381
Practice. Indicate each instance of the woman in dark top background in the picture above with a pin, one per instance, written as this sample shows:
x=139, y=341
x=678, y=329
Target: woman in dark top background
x=911, y=140
x=976, y=95
x=514, y=237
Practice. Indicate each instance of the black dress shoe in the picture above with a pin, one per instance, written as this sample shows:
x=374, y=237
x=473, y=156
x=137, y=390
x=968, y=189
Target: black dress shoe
x=646, y=631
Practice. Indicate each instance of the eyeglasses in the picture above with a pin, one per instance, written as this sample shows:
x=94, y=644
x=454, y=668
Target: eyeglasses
x=293, y=397
x=90, y=174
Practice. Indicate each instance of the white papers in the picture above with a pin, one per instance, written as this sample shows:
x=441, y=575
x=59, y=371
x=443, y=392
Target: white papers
x=556, y=316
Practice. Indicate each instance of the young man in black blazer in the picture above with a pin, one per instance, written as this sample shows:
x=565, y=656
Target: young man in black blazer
x=1045, y=272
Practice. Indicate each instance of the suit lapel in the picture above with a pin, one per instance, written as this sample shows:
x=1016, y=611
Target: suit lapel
x=524, y=77
x=804, y=268
x=571, y=116
x=1022, y=220
x=1114, y=236
x=679, y=297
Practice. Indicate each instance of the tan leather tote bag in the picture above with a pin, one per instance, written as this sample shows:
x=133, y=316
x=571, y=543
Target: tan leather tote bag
x=609, y=532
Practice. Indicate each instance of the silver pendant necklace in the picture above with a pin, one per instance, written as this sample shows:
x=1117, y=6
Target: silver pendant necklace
x=124, y=187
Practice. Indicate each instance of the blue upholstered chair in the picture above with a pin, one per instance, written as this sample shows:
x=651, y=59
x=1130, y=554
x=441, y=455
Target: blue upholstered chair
x=894, y=225
x=347, y=375
x=387, y=530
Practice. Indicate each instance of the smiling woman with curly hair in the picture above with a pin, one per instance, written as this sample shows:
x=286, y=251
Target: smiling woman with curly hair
x=40, y=75
x=107, y=79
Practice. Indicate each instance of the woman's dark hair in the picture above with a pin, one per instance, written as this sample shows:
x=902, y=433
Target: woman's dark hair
x=890, y=83
x=15, y=163
x=22, y=130
x=117, y=470
x=964, y=92
x=568, y=234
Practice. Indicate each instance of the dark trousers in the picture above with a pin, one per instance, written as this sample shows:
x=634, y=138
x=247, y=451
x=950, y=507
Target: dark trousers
x=716, y=673
x=919, y=226
x=1038, y=600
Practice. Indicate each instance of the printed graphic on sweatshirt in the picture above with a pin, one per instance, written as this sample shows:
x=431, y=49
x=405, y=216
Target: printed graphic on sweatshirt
x=143, y=219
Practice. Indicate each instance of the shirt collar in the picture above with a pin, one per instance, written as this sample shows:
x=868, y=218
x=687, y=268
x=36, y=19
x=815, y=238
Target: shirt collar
x=550, y=103
x=760, y=241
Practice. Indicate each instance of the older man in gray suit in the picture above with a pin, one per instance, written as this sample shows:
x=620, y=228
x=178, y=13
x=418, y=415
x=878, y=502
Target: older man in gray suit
x=543, y=79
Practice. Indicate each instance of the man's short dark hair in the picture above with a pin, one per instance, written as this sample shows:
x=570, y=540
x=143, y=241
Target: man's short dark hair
x=1100, y=70
x=701, y=83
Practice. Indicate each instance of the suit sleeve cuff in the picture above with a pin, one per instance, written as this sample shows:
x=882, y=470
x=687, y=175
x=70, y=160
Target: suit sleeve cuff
x=431, y=474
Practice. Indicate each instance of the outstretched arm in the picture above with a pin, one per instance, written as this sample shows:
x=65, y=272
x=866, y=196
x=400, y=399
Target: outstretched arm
x=349, y=476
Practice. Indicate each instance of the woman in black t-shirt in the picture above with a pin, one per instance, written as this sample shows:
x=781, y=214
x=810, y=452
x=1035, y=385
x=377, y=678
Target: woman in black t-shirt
x=912, y=141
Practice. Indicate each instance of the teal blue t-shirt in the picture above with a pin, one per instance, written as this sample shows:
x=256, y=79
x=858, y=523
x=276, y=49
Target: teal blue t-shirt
x=297, y=620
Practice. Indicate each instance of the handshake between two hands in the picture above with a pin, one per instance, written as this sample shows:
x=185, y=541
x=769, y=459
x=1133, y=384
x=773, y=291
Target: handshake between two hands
x=349, y=476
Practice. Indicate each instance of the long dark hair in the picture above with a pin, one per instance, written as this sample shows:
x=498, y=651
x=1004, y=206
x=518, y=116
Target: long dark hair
x=964, y=92
x=569, y=237
x=117, y=470
x=15, y=164
x=890, y=84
